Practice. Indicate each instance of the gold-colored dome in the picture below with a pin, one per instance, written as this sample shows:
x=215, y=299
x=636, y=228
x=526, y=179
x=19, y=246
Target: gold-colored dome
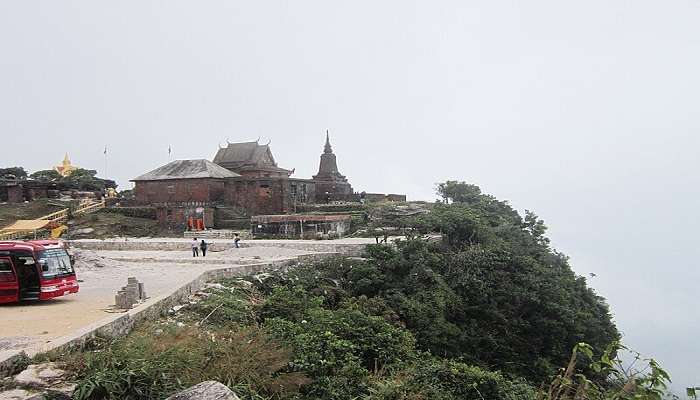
x=66, y=168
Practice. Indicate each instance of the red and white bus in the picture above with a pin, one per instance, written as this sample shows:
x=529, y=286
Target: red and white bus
x=35, y=270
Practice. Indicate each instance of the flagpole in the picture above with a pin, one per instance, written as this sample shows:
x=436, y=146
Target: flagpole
x=105, y=170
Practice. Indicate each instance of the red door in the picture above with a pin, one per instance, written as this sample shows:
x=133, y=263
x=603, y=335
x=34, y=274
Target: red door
x=9, y=287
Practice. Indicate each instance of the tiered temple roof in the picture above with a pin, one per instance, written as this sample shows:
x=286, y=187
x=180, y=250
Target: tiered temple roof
x=249, y=159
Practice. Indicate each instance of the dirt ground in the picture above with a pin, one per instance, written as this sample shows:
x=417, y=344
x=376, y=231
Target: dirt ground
x=105, y=225
x=102, y=273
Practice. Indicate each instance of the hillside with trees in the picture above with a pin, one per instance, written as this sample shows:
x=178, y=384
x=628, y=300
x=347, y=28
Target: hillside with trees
x=488, y=310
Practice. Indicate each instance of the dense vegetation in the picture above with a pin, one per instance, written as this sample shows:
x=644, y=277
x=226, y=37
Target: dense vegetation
x=486, y=311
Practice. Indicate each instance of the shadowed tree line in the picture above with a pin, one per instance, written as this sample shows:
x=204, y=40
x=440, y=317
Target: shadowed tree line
x=80, y=179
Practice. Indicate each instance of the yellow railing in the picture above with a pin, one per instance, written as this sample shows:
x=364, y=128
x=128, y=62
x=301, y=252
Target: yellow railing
x=58, y=216
x=54, y=219
x=89, y=207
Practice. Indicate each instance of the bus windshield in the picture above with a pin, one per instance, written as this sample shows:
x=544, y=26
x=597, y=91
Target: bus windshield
x=57, y=263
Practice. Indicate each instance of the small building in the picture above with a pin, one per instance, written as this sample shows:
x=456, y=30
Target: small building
x=184, y=192
x=19, y=191
x=300, y=226
x=331, y=185
x=11, y=191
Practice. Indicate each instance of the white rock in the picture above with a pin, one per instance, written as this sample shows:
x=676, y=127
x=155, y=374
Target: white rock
x=215, y=286
x=209, y=390
x=40, y=375
x=20, y=394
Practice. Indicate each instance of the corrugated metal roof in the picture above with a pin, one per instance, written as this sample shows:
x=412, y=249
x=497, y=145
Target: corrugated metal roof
x=187, y=169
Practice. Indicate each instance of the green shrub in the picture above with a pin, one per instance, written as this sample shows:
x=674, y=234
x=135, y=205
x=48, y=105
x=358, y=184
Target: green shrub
x=229, y=306
x=448, y=380
x=150, y=366
x=291, y=303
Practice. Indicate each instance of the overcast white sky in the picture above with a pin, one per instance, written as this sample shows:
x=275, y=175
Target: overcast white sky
x=585, y=112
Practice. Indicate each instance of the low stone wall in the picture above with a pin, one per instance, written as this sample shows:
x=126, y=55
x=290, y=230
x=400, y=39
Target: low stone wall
x=319, y=246
x=118, y=325
x=140, y=245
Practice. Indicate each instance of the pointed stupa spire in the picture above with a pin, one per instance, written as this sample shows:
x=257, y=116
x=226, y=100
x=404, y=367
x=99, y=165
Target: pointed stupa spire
x=328, y=149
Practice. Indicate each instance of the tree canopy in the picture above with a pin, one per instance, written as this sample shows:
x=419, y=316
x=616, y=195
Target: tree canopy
x=47, y=175
x=491, y=293
x=14, y=172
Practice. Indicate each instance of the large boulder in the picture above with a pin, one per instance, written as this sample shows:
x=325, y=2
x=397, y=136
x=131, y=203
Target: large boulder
x=47, y=376
x=209, y=390
x=40, y=375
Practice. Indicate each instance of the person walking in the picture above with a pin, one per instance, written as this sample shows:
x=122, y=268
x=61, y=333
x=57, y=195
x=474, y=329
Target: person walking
x=195, y=248
x=236, y=239
x=203, y=246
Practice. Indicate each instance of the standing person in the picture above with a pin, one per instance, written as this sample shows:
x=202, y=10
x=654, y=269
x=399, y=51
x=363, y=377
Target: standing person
x=203, y=246
x=195, y=248
x=236, y=239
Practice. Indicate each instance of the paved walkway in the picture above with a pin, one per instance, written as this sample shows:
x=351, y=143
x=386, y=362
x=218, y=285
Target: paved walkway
x=32, y=324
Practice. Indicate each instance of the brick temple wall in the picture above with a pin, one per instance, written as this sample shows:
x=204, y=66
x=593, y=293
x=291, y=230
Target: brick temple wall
x=179, y=191
x=268, y=195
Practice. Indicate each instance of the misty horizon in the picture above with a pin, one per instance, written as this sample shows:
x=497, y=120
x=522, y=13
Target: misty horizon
x=584, y=113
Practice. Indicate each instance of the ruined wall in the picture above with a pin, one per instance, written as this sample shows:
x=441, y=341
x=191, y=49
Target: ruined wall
x=381, y=197
x=268, y=195
x=327, y=191
x=15, y=194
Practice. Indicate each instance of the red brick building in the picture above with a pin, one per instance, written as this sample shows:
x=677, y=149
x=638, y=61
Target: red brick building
x=268, y=195
x=243, y=180
x=263, y=187
x=183, y=191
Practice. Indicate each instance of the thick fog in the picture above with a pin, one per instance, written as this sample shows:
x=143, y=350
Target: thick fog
x=585, y=112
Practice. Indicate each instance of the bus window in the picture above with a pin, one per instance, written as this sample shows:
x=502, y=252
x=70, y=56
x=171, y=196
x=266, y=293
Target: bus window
x=55, y=262
x=6, y=272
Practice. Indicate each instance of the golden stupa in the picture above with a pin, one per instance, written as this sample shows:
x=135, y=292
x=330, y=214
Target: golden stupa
x=66, y=168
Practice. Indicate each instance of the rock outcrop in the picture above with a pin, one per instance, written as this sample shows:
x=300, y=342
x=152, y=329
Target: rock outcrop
x=209, y=390
x=39, y=381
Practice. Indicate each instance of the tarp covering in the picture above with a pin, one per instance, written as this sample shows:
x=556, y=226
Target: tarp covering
x=27, y=225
